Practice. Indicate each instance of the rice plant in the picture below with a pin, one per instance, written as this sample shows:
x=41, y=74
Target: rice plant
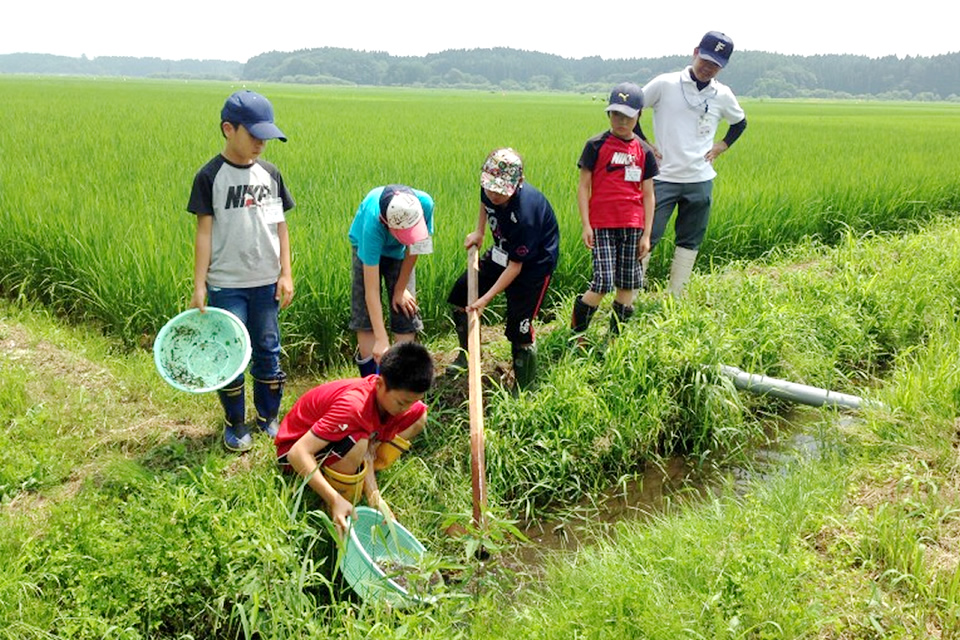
x=94, y=222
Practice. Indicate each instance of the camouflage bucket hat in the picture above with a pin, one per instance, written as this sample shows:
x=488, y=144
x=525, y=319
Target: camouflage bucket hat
x=502, y=172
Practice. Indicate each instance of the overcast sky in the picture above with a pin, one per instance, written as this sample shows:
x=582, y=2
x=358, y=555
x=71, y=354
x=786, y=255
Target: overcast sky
x=239, y=30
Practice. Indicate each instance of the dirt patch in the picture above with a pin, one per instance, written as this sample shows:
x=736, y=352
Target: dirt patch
x=86, y=408
x=496, y=369
x=20, y=348
x=915, y=487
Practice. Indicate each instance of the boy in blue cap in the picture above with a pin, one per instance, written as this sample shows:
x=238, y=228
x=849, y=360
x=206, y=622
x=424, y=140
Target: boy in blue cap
x=391, y=229
x=242, y=254
x=616, y=202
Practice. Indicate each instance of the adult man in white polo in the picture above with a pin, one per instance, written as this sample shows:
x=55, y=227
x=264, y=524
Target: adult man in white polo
x=687, y=109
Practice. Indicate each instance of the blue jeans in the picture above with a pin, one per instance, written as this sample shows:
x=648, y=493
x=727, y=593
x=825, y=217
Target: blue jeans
x=259, y=311
x=692, y=201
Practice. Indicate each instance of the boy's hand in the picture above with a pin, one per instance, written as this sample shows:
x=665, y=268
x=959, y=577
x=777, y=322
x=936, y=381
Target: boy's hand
x=284, y=293
x=380, y=346
x=643, y=247
x=199, y=298
x=473, y=239
x=588, y=236
x=339, y=512
x=405, y=302
x=478, y=304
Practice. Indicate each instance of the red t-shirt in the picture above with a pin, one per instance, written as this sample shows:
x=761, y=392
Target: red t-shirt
x=615, y=201
x=342, y=412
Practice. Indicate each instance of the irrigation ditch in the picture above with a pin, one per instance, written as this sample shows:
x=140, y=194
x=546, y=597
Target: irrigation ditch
x=798, y=436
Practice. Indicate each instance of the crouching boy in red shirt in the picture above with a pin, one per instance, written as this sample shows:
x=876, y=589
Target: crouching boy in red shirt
x=337, y=435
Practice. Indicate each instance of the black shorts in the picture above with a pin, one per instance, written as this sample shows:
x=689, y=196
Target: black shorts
x=524, y=297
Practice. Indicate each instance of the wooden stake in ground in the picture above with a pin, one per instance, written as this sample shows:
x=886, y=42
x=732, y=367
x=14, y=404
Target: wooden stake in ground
x=477, y=469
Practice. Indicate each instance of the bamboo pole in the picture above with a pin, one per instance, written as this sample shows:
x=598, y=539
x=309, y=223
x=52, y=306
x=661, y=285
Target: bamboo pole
x=477, y=469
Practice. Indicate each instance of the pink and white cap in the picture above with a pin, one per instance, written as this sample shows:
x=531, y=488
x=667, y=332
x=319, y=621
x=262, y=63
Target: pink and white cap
x=402, y=212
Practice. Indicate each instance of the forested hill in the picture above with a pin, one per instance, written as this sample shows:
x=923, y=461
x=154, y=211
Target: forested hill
x=751, y=73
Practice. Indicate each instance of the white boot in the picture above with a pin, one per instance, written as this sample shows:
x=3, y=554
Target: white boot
x=680, y=270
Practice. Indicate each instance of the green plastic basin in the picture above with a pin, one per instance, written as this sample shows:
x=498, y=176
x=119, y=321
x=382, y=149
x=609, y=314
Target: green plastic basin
x=200, y=352
x=373, y=546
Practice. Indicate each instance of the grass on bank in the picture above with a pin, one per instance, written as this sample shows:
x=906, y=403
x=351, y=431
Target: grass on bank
x=123, y=519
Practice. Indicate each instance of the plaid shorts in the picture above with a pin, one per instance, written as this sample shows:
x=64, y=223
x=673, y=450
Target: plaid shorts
x=615, y=263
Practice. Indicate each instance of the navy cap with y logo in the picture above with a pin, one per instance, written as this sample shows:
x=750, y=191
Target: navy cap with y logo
x=627, y=98
x=716, y=47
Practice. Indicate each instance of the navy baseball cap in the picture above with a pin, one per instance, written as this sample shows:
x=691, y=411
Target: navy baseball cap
x=716, y=47
x=254, y=112
x=627, y=98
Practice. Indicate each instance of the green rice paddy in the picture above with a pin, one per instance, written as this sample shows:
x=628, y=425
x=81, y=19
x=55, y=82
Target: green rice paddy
x=97, y=174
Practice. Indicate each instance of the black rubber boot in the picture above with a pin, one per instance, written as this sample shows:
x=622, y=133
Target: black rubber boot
x=267, y=395
x=621, y=313
x=524, y=366
x=582, y=315
x=459, y=364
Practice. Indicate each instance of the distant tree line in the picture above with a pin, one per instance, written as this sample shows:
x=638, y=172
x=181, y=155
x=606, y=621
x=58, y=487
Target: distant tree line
x=46, y=64
x=752, y=73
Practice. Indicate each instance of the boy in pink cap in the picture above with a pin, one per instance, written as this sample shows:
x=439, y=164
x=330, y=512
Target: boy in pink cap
x=391, y=229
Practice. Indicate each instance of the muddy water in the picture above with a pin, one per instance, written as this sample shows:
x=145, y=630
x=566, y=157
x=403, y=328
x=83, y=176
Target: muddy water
x=584, y=522
x=672, y=482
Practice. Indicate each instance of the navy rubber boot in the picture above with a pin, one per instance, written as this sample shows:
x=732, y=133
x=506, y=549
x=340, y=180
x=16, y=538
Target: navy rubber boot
x=524, y=366
x=582, y=315
x=267, y=395
x=367, y=366
x=236, y=434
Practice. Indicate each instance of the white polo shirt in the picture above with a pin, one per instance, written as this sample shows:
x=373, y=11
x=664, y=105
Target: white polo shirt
x=685, y=122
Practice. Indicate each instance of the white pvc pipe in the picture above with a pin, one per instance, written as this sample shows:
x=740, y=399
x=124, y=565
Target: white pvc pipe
x=801, y=393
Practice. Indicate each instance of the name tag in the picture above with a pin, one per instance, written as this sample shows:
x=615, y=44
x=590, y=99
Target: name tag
x=421, y=248
x=704, y=125
x=272, y=211
x=633, y=174
x=499, y=256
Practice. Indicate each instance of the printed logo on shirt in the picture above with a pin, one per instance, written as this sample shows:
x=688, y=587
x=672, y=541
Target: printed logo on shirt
x=494, y=226
x=622, y=159
x=246, y=195
x=521, y=251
